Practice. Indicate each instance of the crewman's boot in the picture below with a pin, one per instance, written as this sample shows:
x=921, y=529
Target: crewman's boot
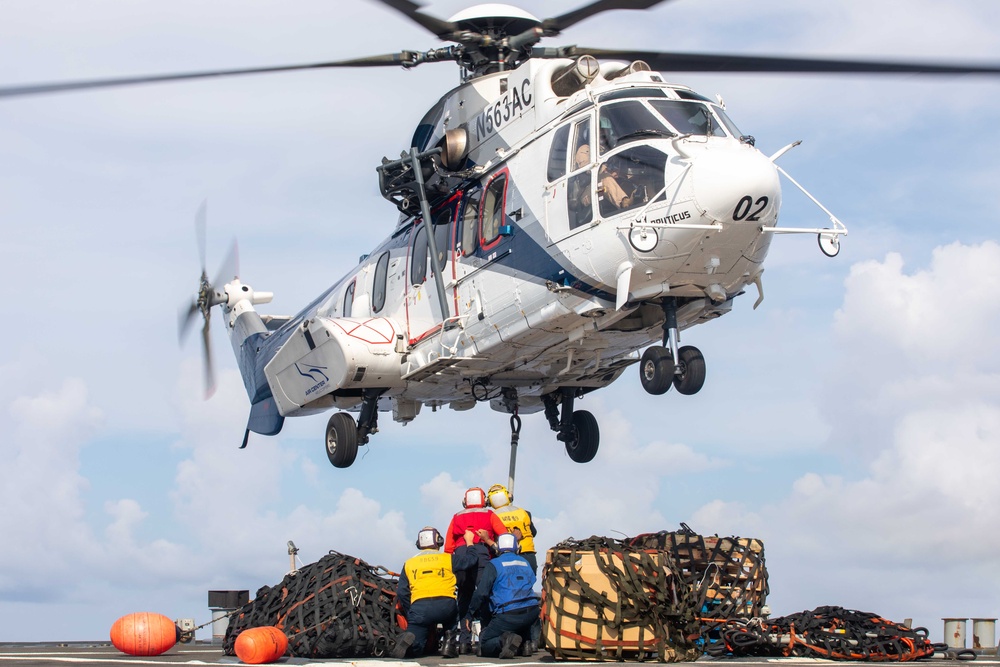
x=450, y=647
x=510, y=644
x=403, y=644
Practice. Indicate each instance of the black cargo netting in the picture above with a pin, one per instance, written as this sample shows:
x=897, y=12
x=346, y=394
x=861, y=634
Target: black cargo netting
x=649, y=616
x=337, y=607
x=826, y=632
x=727, y=575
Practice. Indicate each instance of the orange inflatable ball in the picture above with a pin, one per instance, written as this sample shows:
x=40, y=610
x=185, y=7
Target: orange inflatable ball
x=143, y=633
x=256, y=646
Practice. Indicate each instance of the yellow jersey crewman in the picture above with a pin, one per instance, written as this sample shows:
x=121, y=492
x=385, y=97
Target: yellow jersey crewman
x=427, y=595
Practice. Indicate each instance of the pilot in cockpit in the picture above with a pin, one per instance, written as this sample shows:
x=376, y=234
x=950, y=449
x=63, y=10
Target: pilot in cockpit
x=611, y=187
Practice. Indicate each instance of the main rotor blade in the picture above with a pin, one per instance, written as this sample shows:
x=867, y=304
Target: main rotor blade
x=443, y=29
x=401, y=58
x=557, y=24
x=710, y=62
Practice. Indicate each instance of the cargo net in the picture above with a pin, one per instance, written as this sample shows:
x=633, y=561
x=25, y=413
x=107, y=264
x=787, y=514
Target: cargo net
x=337, y=607
x=727, y=575
x=826, y=632
x=603, y=599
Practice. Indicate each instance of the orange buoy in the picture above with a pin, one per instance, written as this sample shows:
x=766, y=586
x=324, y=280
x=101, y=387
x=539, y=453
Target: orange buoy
x=259, y=645
x=143, y=633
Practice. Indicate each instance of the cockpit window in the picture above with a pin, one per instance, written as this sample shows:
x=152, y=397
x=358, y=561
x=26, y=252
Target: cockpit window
x=691, y=95
x=628, y=121
x=630, y=179
x=626, y=93
x=689, y=117
x=557, y=153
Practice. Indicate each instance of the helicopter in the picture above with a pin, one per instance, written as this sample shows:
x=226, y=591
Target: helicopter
x=560, y=210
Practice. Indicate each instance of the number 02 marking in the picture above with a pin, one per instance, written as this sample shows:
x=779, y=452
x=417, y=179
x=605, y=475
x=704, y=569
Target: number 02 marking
x=744, y=206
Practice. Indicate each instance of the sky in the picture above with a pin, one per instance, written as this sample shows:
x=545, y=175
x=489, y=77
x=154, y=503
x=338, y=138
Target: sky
x=851, y=422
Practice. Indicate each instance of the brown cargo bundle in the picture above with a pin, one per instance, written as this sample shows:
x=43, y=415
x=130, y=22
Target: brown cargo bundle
x=603, y=599
x=727, y=574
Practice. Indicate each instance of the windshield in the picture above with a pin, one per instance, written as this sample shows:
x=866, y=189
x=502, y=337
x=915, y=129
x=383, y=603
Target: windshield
x=627, y=121
x=689, y=117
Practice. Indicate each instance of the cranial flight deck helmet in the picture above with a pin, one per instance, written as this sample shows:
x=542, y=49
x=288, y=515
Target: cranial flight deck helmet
x=500, y=496
x=429, y=538
x=474, y=497
x=507, y=542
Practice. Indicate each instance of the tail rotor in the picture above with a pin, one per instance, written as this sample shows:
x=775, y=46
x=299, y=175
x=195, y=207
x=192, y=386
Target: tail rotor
x=207, y=297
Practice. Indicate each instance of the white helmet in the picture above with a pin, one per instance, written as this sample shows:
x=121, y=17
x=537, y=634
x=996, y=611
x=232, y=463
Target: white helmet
x=507, y=542
x=429, y=538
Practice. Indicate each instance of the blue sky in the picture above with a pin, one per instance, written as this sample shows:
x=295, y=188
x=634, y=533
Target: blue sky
x=852, y=422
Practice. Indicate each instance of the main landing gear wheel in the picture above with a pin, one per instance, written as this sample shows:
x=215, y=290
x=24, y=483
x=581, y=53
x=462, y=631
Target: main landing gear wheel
x=690, y=377
x=341, y=440
x=656, y=370
x=586, y=437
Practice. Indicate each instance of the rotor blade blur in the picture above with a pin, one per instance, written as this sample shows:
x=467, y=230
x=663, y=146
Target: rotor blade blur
x=201, y=231
x=402, y=58
x=706, y=62
x=230, y=267
x=559, y=23
x=443, y=29
x=185, y=317
x=209, y=369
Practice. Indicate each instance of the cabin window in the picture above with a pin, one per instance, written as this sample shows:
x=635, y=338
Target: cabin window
x=630, y=179
x=467, y=237
x=557, y=153
x=379, y=284
x=442, y=236
x=689, y=117
x=623, y=122
x=581, y=144
x=418, y=256
x=493, y=205
x=579, y=199
x=349, y=299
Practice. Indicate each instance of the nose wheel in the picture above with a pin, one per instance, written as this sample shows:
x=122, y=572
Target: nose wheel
x=664, y=365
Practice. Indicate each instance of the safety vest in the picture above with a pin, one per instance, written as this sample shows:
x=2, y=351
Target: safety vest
x=472, y=519
x=430, y=575
x=512, y=588
x=515, y=517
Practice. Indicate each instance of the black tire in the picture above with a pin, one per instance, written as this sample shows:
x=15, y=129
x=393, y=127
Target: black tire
x=583, y=447
x=691, y=377
x=656, y=370
x=341, y=440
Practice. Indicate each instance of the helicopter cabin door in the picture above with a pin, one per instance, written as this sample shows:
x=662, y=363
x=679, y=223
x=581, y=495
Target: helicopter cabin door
x=424, y=318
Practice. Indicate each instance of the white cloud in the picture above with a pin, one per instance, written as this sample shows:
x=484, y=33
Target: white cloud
x=918, y=506
x=44, y=524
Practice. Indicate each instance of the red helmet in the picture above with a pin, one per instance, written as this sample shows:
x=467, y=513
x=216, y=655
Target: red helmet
x=474, y=497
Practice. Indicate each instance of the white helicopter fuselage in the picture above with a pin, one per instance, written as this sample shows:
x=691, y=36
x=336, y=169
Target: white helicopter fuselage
x=549, y=282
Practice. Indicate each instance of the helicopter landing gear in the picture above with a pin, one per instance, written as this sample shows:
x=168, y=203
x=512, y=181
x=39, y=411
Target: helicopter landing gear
x=661, y=366
x=689, y=377
x=344, y=435
x=341, y=440
x=577, y=429
x=656, y=370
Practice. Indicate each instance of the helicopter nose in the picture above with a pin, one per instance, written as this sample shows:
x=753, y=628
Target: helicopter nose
x=736, y=184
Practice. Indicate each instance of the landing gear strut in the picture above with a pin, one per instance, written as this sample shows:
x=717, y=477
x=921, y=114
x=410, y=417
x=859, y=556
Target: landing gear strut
x=577, y=429
x=661, y=366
